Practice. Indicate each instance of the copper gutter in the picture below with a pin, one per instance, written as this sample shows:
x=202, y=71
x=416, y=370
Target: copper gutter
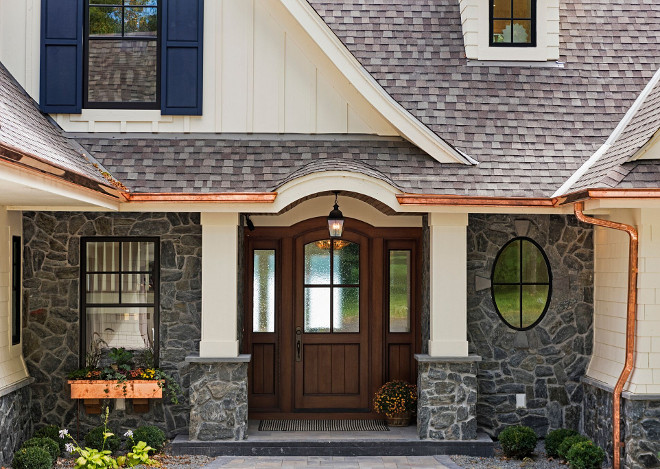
x=474, y=201
x=630, y=323
x=227, y=197
x=609, y=194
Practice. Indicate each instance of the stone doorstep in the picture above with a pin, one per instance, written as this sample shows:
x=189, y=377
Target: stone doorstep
x=482, y=447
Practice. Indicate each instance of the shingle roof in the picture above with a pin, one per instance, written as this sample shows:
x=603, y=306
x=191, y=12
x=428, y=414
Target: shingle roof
x=200, y=163
x=611, y=168
x=24, y=128
x=504, y=116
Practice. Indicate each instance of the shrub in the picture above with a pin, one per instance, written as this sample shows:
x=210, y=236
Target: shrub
x=585, y=455
x=94, y=439
x=32, y=457
x=555, y=438
x=46, y=443
x=517, y=441
x=568, y=442
x=52, y=432
x=151, y=435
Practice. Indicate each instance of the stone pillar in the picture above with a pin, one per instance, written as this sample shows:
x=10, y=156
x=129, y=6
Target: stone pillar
x=447, y=405
x=219, y=285
x=448, y=284
x=218, y=398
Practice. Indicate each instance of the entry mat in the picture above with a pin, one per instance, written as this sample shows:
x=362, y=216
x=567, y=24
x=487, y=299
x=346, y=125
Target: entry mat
x=323, y=426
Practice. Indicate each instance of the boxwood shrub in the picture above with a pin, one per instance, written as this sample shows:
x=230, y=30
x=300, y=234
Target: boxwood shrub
x=52, y=432
x=518, y=441
x=585, y=455
x=555, y=438
x=568, y=442
x=46, y=443
x=32, y=457
x=151, y=435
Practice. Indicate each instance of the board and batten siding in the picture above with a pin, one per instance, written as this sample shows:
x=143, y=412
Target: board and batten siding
x=610, y=301
x=262, y=74
x=12, y=366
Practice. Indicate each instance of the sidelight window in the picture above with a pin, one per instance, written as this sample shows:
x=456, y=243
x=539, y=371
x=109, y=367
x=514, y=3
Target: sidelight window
x=521, y=283
x=332, y=286
x=263, y=291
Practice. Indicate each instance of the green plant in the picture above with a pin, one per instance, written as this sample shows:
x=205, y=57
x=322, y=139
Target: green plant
x=395, y=397
x=52, y=432
x=101, y=438
x=151, y=435
x=555, y=438
x=566, y=445
x=46, y=443
x=517, y=441
x=140, y=455
x=585, y=455
x=32, y=457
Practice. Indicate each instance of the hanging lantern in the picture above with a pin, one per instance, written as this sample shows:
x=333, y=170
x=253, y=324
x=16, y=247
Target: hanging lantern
x=336, y=220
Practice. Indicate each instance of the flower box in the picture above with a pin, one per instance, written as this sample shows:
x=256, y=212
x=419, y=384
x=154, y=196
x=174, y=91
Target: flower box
x=92, y=391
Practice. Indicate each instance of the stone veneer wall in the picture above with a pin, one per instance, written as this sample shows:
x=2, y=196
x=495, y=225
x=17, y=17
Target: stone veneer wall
x=51, y=331
x=218, y=400
x=546, y=362
x=15, y=423
x=446, y=408
x=640, y=425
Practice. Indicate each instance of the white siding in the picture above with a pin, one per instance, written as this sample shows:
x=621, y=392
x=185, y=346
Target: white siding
x=262, y=74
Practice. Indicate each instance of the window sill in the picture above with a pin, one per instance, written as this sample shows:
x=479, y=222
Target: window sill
x=516, y=63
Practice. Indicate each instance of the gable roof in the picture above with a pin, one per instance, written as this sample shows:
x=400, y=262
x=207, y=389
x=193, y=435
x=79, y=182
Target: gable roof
x=30, y=138
x=502, y=115
x=611, y=164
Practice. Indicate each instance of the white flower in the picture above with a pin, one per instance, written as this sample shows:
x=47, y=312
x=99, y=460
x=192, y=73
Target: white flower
x=63, y=433
x=129, y=434
x=69, y=447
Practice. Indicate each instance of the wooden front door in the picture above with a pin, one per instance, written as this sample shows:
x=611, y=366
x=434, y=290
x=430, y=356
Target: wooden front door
x=328, y=321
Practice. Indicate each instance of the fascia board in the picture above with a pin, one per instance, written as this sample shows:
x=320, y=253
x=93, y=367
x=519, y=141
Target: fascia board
x=409, y=126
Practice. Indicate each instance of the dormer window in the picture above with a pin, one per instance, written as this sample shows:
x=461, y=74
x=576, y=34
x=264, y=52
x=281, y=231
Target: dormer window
x=512, y=23
x=122, y=45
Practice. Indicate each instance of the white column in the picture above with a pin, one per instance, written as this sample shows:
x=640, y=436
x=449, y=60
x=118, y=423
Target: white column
x=448, y=282
x=219, y=285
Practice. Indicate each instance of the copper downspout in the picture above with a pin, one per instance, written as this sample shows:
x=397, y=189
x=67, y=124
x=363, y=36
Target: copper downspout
x=630, y=323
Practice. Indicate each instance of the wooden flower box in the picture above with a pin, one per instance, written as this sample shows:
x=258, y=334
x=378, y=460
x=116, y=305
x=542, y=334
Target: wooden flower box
x=94, y=391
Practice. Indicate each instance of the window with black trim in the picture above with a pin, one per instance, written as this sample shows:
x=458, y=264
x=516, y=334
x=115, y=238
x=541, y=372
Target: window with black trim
x=521, y=283
x=120, y=294
x=16, y=257
x=122, y=54
x=513, y=23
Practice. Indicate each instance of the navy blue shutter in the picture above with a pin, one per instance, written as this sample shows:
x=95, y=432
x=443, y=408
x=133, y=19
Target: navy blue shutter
x=60, y=87
x=181, y=64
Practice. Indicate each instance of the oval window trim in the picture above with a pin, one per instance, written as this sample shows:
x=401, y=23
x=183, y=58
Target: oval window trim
x=493, y=284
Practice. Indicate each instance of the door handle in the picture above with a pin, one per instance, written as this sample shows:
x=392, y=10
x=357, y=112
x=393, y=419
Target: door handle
x=298, y=344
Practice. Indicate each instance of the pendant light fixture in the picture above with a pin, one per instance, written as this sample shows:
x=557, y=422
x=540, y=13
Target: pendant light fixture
x=336, y=220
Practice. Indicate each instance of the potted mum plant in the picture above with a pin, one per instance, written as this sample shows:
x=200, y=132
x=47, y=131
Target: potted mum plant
x=126, y=376
x=398, y=401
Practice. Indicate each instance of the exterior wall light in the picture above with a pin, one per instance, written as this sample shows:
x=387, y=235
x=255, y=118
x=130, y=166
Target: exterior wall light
x=336, y=220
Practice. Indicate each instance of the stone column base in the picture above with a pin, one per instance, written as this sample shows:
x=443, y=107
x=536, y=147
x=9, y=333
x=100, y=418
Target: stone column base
x=447, y=404
x=218, y=398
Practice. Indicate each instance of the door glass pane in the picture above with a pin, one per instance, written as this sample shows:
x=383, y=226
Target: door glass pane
x=102, y=288
x=346, y=258
x=534, y=299
x=507, y=299
x=263, y=286
x=131, y=328
x=137, y=256
x=317, y=263
x=102, y=257
x=534, y=268
x=507, y=268
x=399, y=291
x=346, y=309
x=137, y=288
x=317, y=309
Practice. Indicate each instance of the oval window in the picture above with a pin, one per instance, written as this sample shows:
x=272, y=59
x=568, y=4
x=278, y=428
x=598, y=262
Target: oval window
x=521, y=283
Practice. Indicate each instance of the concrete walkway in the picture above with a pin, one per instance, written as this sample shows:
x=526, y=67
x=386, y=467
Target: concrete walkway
x=347, y=462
